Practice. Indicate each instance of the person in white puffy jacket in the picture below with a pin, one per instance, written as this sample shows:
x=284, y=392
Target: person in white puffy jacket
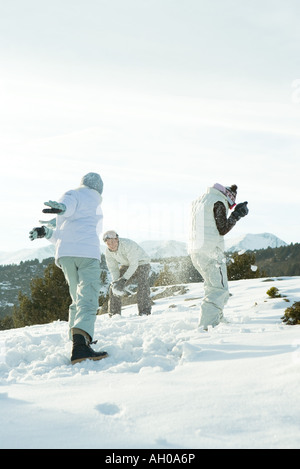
x=127, y=263
x=209, y=224
x=77, y=252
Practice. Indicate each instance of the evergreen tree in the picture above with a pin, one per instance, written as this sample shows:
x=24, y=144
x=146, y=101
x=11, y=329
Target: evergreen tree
x=49, y=301
x=6, y=323
x=240, y=266
x=166, y=277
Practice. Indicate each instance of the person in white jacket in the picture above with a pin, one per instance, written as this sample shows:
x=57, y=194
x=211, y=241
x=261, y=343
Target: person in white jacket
x=209, y=224
x=127, y=263
x=77, y=253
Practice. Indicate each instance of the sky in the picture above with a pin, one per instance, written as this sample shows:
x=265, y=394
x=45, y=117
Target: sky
x=163, y=98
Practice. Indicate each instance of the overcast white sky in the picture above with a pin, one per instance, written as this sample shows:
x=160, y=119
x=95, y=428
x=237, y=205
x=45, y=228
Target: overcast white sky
x=163, y=98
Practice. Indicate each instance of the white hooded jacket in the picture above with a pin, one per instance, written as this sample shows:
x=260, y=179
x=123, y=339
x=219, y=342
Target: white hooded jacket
x=204, y=235
x=129, y=254
x=78, y=229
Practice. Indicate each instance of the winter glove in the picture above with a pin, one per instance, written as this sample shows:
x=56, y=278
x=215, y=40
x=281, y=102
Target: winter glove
x=40, y=232
x=49, y=223
x=56, y=207
x=118, y=286
x=241, y=210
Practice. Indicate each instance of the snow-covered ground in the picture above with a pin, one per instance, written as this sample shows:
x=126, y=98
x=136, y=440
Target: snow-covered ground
x=165, y=384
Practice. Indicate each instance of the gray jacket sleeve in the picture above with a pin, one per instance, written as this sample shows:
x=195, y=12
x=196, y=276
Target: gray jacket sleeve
x=224, y=224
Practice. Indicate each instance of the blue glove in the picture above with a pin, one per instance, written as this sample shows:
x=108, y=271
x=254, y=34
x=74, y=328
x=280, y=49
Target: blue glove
x=56, y=207
x=40, y=232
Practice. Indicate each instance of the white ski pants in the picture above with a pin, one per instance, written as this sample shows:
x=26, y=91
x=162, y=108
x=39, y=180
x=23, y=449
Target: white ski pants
x=83, y=277
x=216, y=294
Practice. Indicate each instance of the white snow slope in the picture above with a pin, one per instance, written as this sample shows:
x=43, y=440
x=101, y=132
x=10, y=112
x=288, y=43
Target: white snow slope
x=166, y=384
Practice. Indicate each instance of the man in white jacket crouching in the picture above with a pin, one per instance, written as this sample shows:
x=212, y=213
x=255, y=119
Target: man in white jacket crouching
x=77, y=253
x=127, y=262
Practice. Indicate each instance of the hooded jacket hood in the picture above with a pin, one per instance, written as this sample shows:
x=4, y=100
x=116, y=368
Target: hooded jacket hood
x=93, y=181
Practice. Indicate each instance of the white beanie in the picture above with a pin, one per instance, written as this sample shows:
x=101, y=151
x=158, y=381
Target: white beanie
x=110, y=234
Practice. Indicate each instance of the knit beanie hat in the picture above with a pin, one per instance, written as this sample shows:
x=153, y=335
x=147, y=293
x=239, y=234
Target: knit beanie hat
x=230, y=193
x=93, y=181
x=111, y=234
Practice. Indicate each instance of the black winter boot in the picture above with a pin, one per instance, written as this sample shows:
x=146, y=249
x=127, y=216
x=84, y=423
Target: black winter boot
x=82, y=350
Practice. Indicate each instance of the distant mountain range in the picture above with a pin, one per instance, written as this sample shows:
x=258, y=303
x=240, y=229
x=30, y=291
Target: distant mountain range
x=252, y=242
x=155, y=249
x=15, y=257
x=162, y=249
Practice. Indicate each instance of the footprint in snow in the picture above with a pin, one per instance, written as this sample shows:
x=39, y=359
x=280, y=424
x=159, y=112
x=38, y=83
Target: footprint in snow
x=108, y=408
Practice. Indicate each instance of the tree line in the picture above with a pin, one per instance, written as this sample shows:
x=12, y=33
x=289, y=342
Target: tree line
x=48, y=297
x=281, y=261
x=37, y=293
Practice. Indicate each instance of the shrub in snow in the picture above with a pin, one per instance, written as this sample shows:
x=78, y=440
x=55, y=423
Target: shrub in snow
x=292, y=314
x=273, y=292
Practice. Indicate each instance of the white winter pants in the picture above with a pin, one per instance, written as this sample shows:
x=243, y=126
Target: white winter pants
x=214, y=272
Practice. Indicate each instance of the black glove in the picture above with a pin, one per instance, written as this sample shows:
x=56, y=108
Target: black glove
x=119, y=284
x=51, y=210
x=240, y=211
x=39, y=232
x=55, y=207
